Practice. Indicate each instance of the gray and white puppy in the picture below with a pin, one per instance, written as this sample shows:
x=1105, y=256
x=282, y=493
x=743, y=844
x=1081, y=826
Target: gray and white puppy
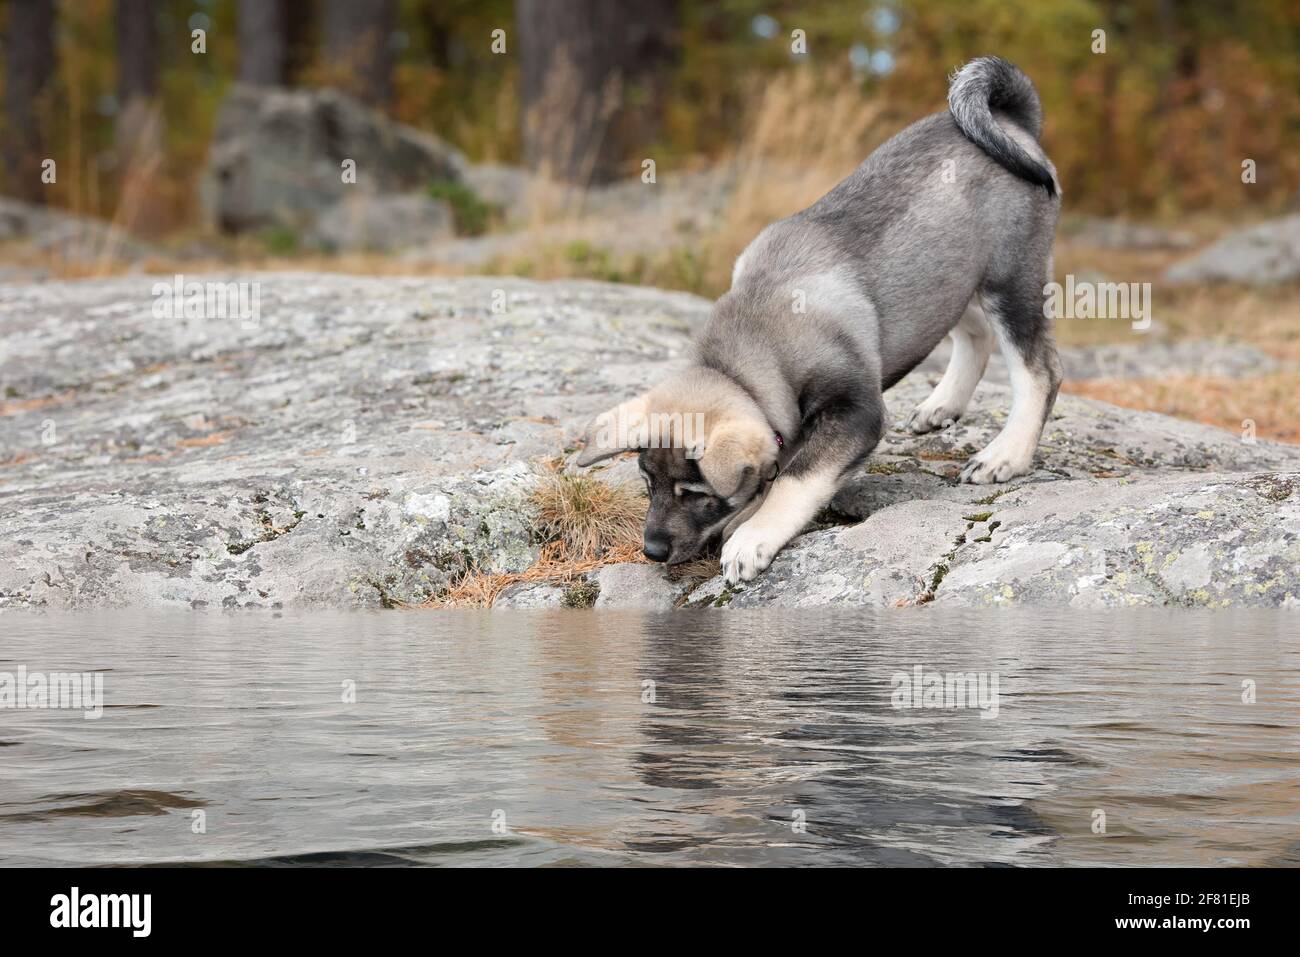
x=946, y=229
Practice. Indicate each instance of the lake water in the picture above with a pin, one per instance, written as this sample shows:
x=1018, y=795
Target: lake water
x=732, y=738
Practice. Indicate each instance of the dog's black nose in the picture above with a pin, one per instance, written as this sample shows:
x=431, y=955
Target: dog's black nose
x=657, y=549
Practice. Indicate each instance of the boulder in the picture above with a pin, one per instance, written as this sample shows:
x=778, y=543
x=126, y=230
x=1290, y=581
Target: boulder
x=624, y=219
x=1192, y=540
x=68, y=236
x=277, y=157
x=505, y=187
x=368, y=441
x=1122, y=234
x=1148, y=358
x=383, y=223
x=531, y=595
x=641, y=587
x=1261, y=255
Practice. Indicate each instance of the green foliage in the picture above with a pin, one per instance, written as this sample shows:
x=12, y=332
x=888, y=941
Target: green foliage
x=279, y=240
x=595, y=262
x=581, y=252
x=471, y=213
x=687, y=270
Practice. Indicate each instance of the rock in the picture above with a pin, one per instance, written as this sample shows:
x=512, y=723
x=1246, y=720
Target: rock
x=69, y=237
x=622, y=219
x=1121, y=234
x=368, y=442
x=1189, y=540
x=643, y=587
x=1261, y=255
x=364, y=443
x=1129, y=492
x=886, y=560
x=1202, y=540
x=1151, y=358
x=277, y=157
x=383, y=223
x=506, y=187
x=531, y=595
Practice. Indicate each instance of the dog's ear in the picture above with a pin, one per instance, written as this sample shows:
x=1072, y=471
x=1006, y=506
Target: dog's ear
x=621, y=429
x=735, y=451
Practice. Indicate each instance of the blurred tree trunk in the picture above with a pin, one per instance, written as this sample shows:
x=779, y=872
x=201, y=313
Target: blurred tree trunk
x=1179, y=88
x=263, y=44
x=357, y=43
x=593, y=75
x=139, y=116
x=1113, y=200
x=275, y=40
x=437, y=22
x=299, y=22
x=28, y=72
x=139, y=122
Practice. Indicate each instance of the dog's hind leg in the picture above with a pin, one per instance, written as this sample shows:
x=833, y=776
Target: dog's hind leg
x=1024, y=336
x=972, y=341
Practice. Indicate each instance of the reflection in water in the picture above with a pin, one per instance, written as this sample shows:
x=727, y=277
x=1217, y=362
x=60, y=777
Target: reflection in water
x=714, y=737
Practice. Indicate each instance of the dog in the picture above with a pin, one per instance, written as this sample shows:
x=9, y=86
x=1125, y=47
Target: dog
x=946, y=229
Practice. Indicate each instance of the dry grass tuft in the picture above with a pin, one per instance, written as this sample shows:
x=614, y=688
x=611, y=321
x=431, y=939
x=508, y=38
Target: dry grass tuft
x=553, y=567
x=587, y=516
x=587, y=523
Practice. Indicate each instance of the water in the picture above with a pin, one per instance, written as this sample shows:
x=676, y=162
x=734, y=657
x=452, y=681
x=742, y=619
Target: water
x=772, y=738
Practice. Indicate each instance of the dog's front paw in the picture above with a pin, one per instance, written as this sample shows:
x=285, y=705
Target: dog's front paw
x=991, y=466
x=747, y=552
x=930, y=416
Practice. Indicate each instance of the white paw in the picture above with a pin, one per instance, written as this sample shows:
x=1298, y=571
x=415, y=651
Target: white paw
x=929, y=416
x=747, y=552
x=992, y=465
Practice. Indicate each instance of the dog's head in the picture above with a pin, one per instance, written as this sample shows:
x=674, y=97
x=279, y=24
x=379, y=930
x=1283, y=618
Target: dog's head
x=707, y=457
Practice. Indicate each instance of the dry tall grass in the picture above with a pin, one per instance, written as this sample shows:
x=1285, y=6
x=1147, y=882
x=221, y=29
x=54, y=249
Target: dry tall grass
x=1266, y=318
x=808, y=130
x=1263, y=405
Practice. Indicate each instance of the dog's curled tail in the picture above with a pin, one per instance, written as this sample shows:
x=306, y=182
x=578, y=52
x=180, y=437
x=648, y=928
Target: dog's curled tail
x=991, y=83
